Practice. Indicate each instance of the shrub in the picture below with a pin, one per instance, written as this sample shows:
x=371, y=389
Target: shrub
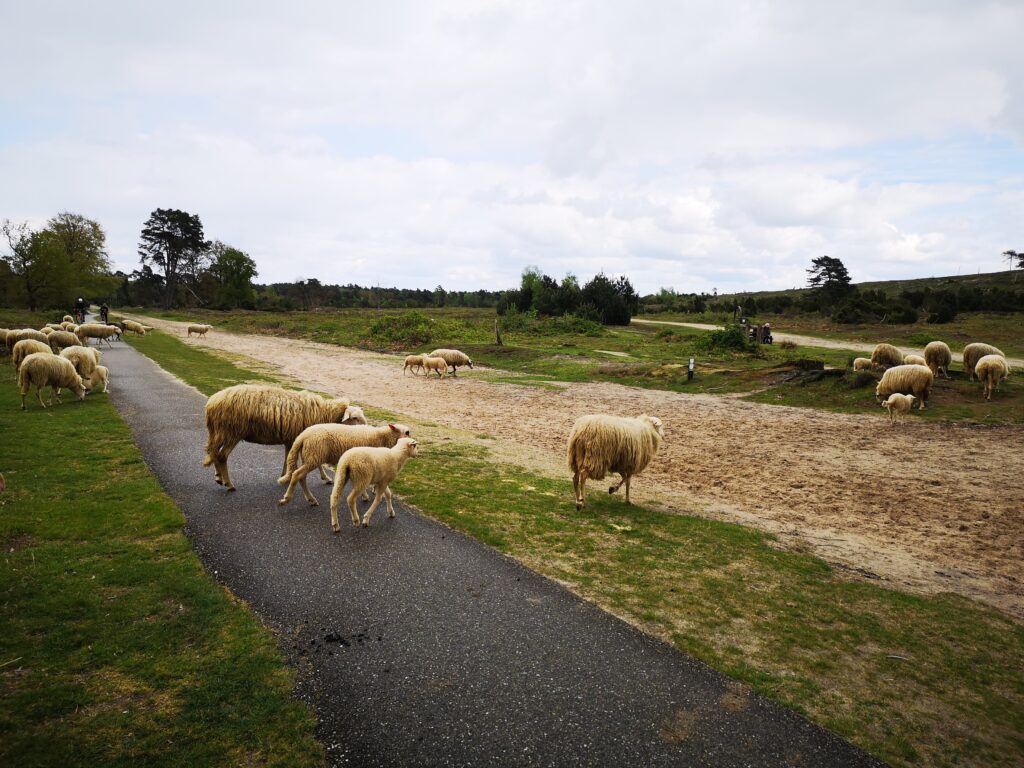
x=404, y=330
x=732, y=338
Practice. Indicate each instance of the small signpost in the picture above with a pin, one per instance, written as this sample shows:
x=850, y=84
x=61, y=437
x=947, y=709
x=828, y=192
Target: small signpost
x=689, y=371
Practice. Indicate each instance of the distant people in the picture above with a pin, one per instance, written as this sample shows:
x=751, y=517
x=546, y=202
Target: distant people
x=766, y=334
x=104, y=311
x=80, y=310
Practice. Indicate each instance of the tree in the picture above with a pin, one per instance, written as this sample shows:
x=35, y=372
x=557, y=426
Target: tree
x=614, y=302
x=232, y=271
x=173, y=241
x=829, y=279
x=1015, y=259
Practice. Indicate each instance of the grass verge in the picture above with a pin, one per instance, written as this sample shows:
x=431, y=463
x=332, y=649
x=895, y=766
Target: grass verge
x=913, y=680
x=116, y=648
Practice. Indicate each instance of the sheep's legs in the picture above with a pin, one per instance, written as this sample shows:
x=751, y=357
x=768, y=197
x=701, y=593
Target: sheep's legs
x=581, y=488
x=352, y=506
x=379, y=495
x=387, y=497
x=39, y=394
x=324, y=476
x=220, y=463
x=299, y=477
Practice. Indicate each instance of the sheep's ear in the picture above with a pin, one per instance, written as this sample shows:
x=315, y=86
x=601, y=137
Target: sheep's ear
x=393, y=427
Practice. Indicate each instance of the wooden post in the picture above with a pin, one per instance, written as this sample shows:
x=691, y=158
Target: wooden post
x=497, y=334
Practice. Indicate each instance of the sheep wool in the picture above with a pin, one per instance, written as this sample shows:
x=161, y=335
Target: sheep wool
x=365, y=467
x=26, y=347
x=436, y=364
x=914, y=360
x=990, y=370
x=938, y=356
x=886, y=356
x=198, y=329
x=45, y=369
x=897, y=404
x=414, y=362
x=102, y=331
x=265, y=415
x=68, y=319
x=974, y=352
x=915, y=380
x=103, y=376
x=136, y=328
x=3, y=338
x=453, y=357
x=84, y=359
x=862, y=364
x=58, y=340
x=13, y=337
x=599, y=444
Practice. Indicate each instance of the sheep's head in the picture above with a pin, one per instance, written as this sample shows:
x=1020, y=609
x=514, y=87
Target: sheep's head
x=354, y=415
x=656, y=423
x=401, y=431
x=469, y=362
x=79, y=388
x=408, y=446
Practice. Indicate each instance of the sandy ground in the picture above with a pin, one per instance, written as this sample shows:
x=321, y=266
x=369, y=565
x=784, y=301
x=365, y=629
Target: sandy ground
x=927, y=507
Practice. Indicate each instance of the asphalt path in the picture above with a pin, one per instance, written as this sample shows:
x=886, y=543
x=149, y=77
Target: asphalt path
x=419, y=646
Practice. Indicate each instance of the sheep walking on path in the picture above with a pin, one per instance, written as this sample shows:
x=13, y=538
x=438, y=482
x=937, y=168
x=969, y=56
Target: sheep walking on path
x=599, y=444
x=45, y=369
x=898, y=405
x=413, y=362
x=199, y=330
x=436, y=364
x=991, y=369
x=365, y=467
x=453, y=357
x=265, y=415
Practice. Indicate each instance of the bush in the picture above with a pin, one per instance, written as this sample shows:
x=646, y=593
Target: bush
x=409, y=329
x=732, y=338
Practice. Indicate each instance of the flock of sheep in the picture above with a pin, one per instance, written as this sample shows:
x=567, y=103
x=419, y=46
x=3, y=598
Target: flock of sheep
x=437, y=361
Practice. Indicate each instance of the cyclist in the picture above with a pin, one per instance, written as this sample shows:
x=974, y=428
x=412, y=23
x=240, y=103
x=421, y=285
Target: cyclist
x=80, y=310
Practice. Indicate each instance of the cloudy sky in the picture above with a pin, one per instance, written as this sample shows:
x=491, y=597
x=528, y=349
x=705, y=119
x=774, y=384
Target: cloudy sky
x=693, y=145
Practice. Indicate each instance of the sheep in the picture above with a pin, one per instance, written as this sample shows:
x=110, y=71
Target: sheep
x=102, y=376
x=906, y=379
x=436, y=364
x=68, y=319
x=198, y=329
x=13, y=337
x=3, y=339
x=886, y=356
x=991, y=369
x=84, y=359
x=453, y=357
x=45, y=369
x=325, y=443
x=46, y=330
x=972, y=354
x=898, y=404
x=98, y=331
x=414, y=362
x=599, y=444
x=914, y=360
x=136, y=328
x=937, y=356
x=862, y=364
x=58, y=340
x=365, y=467
x=53, y=327
x=265, y=415
x=26, y=347
x=69, y=325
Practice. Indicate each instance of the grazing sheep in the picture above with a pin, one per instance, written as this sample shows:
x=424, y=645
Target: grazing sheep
x=938, y=356
x=54, y=327
x=136, y=328
x=436, y=364
x=265, y=415
x=68, y=319
x=325, y=443
x=916, y=380
x=46, y=330
x=69, y=325
x=45, y=369
x=991, y=369
x=862, y=364
x=84, y=359
x=99, y=331
x=898, y=404
x=914, y=360
x=453, y=357
x=599, y=444
x=886, y=356
x=199, y=329
x=972, y=354
x=27, y=347
x=365, y=467
x=3, y=339
x=102, y=376
x=58, y=340
x=13, y=337
x=414, y=362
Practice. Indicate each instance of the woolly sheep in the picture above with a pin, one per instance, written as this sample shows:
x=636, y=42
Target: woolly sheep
x=136, y=328
x=906, y=379
x=599, y=444
x=99, y=331
x=365, y=467
x=102, y=376
x=46, y=330
x=13, y=337
x=199, y=329
x=414, y=362
x=265, y=415
x=68, y=319
x=58, y=340
x=84, y=359
x=54, y=327
x=898, y=404
x=436, y=364
x=862, y=364
x=45, y=369
x=325, y=443
x=3, y=339
x=938, y=356
x=886, y=356
x=914, y=360
x=27, y=347
x=991, y=369
x=973, y=353
x=69, y=325
x=453, y=357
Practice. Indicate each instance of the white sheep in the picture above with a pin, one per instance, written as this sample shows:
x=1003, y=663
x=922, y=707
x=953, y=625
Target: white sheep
x=990, y=370
x=974, y=352
x=45, y=369
x=27, y=347
x=325, y=443
x=436, y=364
x=914, y=360
x=413, y=362
x=16, y=335
x=453, y=357
x=916, y=380
x=85, y=360
x=886, y=356
x=98, y=331
x=898, y=404
x=68, y=319
x=134, y=327
x=58, y=340
x=365, y=467
x=102, y=376
x=599, y=444
x=862, y=364
x=198, y=329
x=938, y=356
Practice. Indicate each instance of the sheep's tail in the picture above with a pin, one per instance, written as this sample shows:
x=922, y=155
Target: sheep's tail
x=293, y=460
x=341, y=474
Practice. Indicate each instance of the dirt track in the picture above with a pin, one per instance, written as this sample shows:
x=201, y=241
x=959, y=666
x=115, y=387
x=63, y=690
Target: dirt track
x=928, y=507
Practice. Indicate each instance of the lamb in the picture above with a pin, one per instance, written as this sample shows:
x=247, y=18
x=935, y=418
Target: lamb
x=453, y=357
x=365, y=467
x=26, y=347
x=58, y=340
x=102, y=331
x=937, y=356
x=886, y=356
x=436, y=364
x=599, y=444
x=45, y=369
x=199, y=329
x=991, y=369
x=325, y=443
x=906, y=379
x=414, y=362
x=84, y=359
x=898, y=404
x=914, y=360
x=102, y=376
x=972, y=354
x=265, y=415
x=862, y=364
x=136, y=328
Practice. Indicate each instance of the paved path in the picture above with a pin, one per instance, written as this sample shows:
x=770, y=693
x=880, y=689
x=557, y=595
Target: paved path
x=419, y=646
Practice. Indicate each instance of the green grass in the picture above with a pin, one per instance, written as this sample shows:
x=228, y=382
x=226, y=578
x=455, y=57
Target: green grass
x=116, y=648
x=914, y=680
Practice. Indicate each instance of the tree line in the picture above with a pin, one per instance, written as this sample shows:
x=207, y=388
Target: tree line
x=603, y=299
